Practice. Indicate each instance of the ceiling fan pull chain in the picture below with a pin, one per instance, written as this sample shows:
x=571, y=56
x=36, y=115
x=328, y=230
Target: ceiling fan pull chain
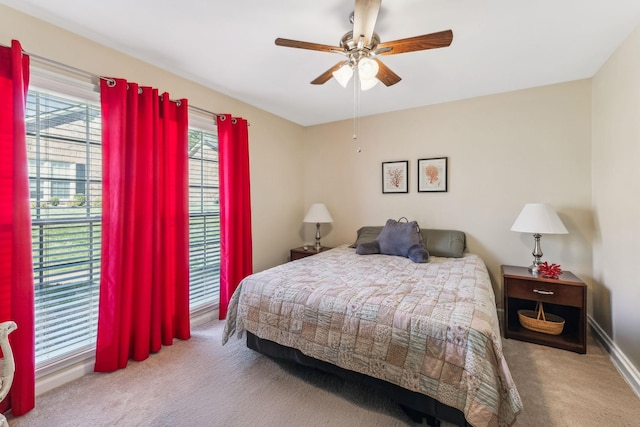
x=356, y=112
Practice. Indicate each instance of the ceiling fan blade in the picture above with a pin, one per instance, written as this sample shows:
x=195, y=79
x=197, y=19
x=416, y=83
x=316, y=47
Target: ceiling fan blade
x=327, y=75
x=306, y=45
x=365, y=15
x=412, y=44
x=385, y=75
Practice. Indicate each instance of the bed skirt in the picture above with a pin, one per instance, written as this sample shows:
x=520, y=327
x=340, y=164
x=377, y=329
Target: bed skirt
x=416, y=405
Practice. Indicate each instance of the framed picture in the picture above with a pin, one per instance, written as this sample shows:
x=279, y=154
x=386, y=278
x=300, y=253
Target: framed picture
x=394, y=177
x=432, y=175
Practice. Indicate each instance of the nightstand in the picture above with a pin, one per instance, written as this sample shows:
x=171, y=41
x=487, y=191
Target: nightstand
x=565, y=296
x=300, y=252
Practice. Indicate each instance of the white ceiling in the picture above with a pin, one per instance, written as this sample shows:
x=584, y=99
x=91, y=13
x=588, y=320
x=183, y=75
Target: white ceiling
x=498, y=46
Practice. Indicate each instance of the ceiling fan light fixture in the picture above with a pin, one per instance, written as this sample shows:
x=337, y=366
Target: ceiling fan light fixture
x=362, y=44
x=367, y=69
x=343, y=74
x=368, y=83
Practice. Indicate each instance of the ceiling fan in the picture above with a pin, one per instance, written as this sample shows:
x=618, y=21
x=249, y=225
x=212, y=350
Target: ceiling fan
x=362, y=45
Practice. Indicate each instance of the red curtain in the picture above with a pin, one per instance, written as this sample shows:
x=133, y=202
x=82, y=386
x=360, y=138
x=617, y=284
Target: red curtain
x=235, y=206
x=144, y=284
x=16, y=266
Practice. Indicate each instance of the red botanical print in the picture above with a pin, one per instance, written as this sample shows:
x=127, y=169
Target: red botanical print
x=395, y=177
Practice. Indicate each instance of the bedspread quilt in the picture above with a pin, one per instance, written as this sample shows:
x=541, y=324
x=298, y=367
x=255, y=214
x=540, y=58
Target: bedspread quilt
x=431, y=328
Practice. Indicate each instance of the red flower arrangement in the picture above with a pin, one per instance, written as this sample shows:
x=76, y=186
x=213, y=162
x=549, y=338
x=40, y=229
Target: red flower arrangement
x=552, y=271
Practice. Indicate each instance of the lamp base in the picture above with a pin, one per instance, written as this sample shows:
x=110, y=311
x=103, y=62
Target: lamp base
x=318, y=246
x=537, y=254
x=533, y=268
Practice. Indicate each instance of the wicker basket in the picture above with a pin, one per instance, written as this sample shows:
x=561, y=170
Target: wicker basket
x=539, y=321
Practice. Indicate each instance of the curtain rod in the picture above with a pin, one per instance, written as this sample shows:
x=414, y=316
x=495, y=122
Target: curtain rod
x=84, y=73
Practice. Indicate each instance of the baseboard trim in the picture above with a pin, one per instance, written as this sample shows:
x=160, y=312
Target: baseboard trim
x=62, y=376
x=204, y=315
x=628, y=371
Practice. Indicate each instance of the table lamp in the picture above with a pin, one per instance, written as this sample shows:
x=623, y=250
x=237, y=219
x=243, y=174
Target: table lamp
x=317, y=214
x=538, y=219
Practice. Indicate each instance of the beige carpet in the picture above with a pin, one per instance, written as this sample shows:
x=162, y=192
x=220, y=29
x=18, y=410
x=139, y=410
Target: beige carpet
x=200, y=383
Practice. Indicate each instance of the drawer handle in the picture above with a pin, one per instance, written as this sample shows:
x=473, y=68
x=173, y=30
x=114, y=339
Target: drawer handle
x=543, y=292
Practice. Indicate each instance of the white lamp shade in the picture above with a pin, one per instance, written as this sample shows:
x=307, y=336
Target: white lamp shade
x=318, y=213
x=367, y=69
x=343, y=74
x=538, y=218
x=368, y=84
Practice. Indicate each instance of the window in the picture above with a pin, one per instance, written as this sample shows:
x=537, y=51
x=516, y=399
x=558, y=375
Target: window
x=63, y=133
x=65, y=182
x=204, y=219
x=61, y=188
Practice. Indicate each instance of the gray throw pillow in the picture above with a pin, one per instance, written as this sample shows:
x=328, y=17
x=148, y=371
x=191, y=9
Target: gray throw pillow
x=442, y=243
x=445, y=243
x=368, y=248
x=397, y=238
x=418, y=253
x=367, y=234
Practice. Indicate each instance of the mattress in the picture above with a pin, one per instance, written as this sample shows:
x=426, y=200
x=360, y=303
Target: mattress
x=431, y=328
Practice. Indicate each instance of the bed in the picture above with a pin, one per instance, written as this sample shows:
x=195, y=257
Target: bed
x=426, y=333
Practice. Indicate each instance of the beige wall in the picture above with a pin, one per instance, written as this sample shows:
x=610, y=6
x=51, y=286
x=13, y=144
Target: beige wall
x=275, y=144
x=503, y=151
x=616, y=197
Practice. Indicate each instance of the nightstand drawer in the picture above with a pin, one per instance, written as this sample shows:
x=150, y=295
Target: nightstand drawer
x=555, y=293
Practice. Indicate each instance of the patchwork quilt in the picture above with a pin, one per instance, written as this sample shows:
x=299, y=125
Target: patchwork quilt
x=431, y=328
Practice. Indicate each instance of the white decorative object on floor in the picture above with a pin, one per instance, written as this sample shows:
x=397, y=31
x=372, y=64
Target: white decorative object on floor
x=7, y=365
